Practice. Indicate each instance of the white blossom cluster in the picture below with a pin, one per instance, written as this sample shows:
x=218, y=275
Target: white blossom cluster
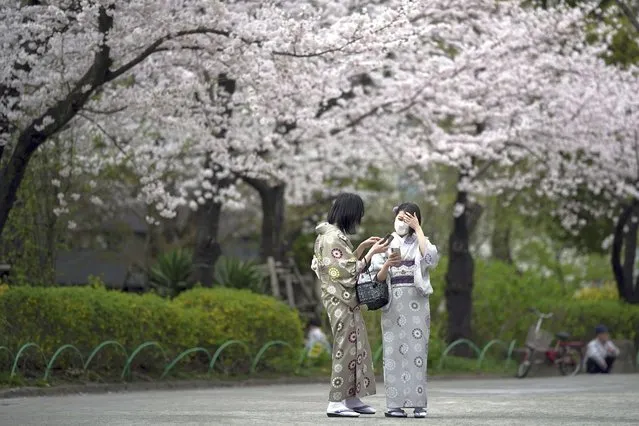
x=193, y=96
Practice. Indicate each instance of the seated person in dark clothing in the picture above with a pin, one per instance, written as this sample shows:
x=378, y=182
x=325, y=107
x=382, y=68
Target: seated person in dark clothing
x=601, y=352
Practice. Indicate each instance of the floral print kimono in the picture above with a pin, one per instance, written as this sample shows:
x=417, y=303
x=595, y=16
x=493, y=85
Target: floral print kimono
x=337, y=268
x=406, y=322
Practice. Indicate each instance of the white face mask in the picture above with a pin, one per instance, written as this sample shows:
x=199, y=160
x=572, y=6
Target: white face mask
x=401, y=228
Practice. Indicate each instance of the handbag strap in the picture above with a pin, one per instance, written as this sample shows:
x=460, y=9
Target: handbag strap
x=368, y=270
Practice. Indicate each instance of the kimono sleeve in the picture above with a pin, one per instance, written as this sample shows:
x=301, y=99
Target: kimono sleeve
x=377, y=262
x=424, y=263
x=430, y=258
x=340, y=262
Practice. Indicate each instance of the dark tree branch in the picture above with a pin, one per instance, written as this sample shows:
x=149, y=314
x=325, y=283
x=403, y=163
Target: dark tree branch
x=623, y=286
x=629, y=14
x=54, y=118
x=101, y=129
x=107, y=112
x=152, y=48
x=354, y=39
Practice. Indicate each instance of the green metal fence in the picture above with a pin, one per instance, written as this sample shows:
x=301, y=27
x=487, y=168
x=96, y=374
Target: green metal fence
x=213, y=358
x=171, y=364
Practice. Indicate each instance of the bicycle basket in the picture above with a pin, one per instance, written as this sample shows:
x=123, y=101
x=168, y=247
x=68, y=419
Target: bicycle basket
x=539, y=340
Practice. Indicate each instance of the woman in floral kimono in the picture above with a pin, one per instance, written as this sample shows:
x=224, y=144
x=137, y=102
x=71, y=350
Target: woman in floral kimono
x=406, y=318
x=337, y=265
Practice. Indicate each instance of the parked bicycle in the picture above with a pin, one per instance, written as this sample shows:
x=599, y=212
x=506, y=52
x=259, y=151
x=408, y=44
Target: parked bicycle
x=565, y=354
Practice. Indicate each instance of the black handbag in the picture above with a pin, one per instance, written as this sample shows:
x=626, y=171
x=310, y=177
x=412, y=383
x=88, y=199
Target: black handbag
x=370, y=292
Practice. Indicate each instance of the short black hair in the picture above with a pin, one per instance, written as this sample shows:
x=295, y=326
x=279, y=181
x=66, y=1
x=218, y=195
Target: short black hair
x=413, y=209
x=346, y=212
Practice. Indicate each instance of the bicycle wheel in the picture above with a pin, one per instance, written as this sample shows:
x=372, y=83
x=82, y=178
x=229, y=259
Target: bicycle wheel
x=526, y=364
x=569, y=362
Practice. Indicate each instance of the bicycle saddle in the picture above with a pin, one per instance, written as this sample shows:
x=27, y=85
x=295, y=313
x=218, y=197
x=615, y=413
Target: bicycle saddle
x=563, y=335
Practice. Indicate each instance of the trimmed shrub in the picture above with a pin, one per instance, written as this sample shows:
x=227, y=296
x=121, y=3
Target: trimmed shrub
x=502, y=298
x=580, y=317
x=246, y=316
x=85, y=317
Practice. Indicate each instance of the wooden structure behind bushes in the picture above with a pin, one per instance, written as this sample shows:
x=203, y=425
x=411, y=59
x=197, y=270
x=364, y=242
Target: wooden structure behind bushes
x=301, y=292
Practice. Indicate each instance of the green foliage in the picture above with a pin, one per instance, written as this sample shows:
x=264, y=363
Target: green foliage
x=239, y=274
x=244, y=315
x=436, y=343
x=171, y=274
x=302, y=249
x=608, y=291
x=85, y=317
x=95, y=282
x=580, y=317
x=625, y=48
x=33, y=232
x=545, y=223
x=502, y=297
x=319, y=359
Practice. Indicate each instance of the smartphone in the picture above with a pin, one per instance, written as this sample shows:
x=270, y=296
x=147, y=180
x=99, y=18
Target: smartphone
x=388, y=239
x=396, y=250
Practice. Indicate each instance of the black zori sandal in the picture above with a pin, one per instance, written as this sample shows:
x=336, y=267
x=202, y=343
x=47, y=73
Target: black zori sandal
x=396, y=412
x=364, y=409
x=420, y=413
x=342, y=413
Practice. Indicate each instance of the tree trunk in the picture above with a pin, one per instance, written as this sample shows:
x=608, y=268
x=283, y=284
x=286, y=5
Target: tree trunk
x=207, y=217
x=207, y=248
x=273, y=205
x=624, y=273
x=500, y=240
x=13, y=173
x=460, y=273
x=54, y=119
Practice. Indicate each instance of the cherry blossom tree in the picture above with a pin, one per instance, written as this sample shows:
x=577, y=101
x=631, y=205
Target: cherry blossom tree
x=60, y=56
x=191, y=120
x=463, y=95
x=590, y=158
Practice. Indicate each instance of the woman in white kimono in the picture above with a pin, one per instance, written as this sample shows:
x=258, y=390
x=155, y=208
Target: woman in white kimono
x=406, y=318
x=337, y=265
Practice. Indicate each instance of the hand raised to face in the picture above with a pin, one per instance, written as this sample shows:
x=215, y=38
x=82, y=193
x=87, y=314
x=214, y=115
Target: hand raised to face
x=410, y=220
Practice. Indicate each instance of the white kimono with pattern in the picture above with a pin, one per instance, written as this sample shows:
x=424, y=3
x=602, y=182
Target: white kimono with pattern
x=406, y=322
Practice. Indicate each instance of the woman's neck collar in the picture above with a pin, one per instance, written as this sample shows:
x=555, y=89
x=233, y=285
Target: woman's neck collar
x=406, y=238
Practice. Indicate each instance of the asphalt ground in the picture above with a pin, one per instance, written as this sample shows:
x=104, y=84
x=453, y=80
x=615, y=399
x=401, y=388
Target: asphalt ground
x=581, y=400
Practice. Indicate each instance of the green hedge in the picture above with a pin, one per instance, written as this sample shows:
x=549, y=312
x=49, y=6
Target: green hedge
x=580, y=317
x=243, y=315
x=502, y=297
x=85, y=317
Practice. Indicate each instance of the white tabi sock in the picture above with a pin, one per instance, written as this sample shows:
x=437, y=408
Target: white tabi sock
x=353, y=402
x=335, y=406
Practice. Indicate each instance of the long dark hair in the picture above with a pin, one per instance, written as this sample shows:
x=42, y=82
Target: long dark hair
x=346, y=212
x=411, y=208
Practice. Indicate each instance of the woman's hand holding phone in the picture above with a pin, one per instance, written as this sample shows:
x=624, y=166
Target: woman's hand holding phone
x=379, y=247
x=395, y=258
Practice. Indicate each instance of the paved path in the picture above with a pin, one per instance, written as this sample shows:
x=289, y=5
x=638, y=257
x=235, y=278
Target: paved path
x=582, y=400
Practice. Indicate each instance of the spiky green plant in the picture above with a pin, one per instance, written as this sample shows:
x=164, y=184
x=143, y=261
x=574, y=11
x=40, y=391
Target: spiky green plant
x=240, y=274
x=171, y=274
